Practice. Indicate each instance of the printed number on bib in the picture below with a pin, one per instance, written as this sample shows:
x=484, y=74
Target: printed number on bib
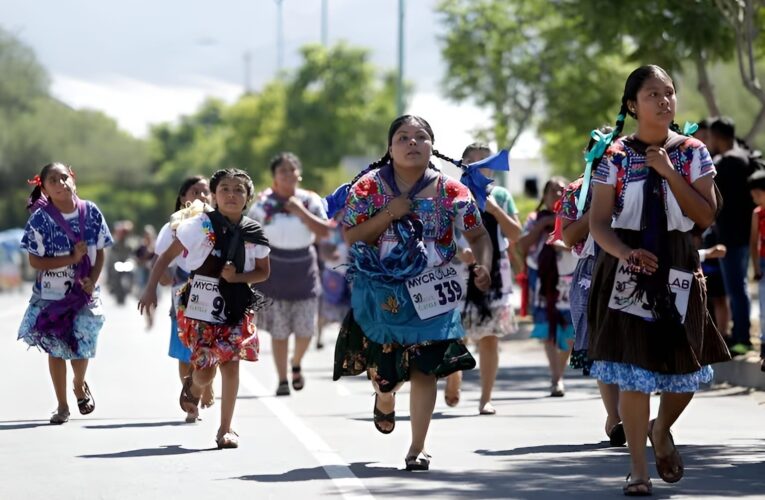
x=205, y=302
x=56, y=283
x=436, y=291
x=624, y=299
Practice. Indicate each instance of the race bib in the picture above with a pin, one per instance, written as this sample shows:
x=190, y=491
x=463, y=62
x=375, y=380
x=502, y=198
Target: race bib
x=56, y=283
x=436, y=291
x=205, y=302
x=624, y=299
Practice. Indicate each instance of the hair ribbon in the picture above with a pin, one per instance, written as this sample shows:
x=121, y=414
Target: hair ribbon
x=35, y=181
x=598, y=149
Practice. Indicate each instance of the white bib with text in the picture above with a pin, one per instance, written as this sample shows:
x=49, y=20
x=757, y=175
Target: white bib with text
x=56, y=283
x=623, y=298
x=205, y=302
x=436, y=290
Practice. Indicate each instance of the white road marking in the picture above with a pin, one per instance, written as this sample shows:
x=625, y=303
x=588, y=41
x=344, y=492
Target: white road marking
x=349, y=486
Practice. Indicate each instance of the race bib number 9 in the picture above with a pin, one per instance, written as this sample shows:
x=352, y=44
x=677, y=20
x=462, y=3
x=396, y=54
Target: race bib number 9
x=205, y=302
x=436, y=291
x=56, y=283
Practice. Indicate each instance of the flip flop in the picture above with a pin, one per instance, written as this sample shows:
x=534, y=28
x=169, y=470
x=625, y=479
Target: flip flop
x=87, y=404
x=487, y=409
x=228, y=440
x=418, y=462
x=378, y=416
x=188, y=402
x=617, y=437
x=671, y=468
x=635, y=488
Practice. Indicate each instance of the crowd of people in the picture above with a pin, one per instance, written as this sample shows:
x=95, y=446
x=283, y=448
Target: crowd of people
x=630, y=269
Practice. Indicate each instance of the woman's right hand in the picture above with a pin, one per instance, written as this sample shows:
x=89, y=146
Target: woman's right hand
x=79, y=251
x=642, y=261
x=148, y=301
x=399, y=206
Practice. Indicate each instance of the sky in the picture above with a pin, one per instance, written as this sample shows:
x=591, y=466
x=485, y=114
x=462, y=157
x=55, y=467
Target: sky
x=144, y=62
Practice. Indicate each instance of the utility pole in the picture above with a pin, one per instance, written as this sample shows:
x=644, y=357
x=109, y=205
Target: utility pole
x=279, y=37
x=324, y=24
x=400, y=80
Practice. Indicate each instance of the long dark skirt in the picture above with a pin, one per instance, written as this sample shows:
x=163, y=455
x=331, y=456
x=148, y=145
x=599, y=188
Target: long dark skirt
x=391, y=364
x=659, y=346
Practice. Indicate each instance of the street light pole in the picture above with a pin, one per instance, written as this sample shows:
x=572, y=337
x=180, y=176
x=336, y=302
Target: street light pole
x=279, y=36
x=400, y=80
x=324, y=23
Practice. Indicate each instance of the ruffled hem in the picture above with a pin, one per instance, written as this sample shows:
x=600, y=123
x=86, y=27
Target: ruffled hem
x=636, y=379
x=87, y=326
x=215, y=344
x=500, y=324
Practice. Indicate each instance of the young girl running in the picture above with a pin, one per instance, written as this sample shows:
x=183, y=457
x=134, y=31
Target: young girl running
x=404, y=324
x=550, y=268
x=226, y=252
x=65, y=238
x=193, y=188
x=649, y=326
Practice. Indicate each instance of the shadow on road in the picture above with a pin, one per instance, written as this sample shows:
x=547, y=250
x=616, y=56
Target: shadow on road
x=138, y=425
x=173, y=449
x=15, y=425
x=581, y=471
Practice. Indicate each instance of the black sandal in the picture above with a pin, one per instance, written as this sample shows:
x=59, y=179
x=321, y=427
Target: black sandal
x=617, y=437
x=299, y=382
x=379, y=417
x=188, y=402
x=87, y=404
x=283, y=389
x=418, y=462
x=635, y=488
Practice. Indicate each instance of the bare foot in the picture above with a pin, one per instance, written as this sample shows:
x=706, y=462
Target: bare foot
x=452, y=391
x=208, y=396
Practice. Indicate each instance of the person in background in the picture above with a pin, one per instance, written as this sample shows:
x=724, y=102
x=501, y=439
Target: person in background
x=756, y=184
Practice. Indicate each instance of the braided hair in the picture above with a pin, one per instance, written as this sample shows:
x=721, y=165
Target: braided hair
x=632, y=86
x=39, y=180
x=185, y=186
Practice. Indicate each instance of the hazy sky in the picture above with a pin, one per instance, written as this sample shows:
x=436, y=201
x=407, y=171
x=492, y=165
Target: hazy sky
x=144, y=61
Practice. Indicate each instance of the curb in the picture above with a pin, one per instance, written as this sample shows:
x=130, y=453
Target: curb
x=743, y=371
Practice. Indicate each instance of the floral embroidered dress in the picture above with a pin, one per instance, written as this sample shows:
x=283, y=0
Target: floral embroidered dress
x=44, y=238
x=389, y=334
x=214, y=343
x=648, y=355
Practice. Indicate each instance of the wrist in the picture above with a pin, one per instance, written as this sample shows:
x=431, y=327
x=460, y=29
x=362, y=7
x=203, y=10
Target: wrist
x=389, y=213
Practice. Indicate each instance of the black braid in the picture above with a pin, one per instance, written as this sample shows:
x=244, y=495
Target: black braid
x=372, y=166
x=674, y=127
x=623, y=111
x=457, y=163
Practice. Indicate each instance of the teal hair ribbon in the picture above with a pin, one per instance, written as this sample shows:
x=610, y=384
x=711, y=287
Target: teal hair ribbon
x=690, y=128
x=597, y=150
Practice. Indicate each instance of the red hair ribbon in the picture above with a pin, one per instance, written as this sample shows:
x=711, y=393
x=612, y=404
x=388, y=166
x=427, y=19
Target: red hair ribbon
x=557, y=233
x=35, y=181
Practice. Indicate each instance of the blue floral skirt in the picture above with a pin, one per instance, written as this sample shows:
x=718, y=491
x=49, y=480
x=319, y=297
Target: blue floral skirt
x=87, y=326
x=633, y=378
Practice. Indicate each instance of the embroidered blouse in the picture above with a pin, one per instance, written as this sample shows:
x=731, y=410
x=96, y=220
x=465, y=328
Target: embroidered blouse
x=452, y=208
x=283, y=229
x=585, y=247
x=626, y=170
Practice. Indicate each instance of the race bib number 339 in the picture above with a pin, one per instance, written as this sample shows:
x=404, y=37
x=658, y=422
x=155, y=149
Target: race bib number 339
x=205, y=302
x=435, y=291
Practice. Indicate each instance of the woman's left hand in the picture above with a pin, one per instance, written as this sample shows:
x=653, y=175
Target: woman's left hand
x=482, y=278
x=658, y=159
x=229, y=272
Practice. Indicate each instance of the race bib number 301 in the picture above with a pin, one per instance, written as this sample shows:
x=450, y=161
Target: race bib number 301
x=436, y=291
x=205, y=302
x=56, y=283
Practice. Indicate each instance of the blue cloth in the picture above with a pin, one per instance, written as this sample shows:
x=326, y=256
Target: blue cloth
x=579, y=296
x=633, y=378
x=734, y=267
x=177, y=349
x=86, y=327
x=564, y=336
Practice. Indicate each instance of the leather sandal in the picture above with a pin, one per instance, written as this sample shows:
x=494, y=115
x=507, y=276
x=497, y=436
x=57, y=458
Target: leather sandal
x=616, y=435
x=283, y=389
x=297, y=382
x=228, y=440
x=87, y=404
x=418, y=462
x=670, y=468
x=637, y=488
x=378, y=416
x=188, y=402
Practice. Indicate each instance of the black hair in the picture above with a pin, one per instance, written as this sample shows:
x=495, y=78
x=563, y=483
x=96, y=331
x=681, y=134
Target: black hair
x=724, y=127
x=704, y=123
x=394, y=126
x=237, y=174
x=37, y=193
x=476, y=146
x=556, y=179
x=282, y=157
x=185, y=186
x=756, y=180
x=632, y=86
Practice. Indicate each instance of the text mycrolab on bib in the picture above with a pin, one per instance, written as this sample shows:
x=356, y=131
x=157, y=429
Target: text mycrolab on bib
x=435, y=291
